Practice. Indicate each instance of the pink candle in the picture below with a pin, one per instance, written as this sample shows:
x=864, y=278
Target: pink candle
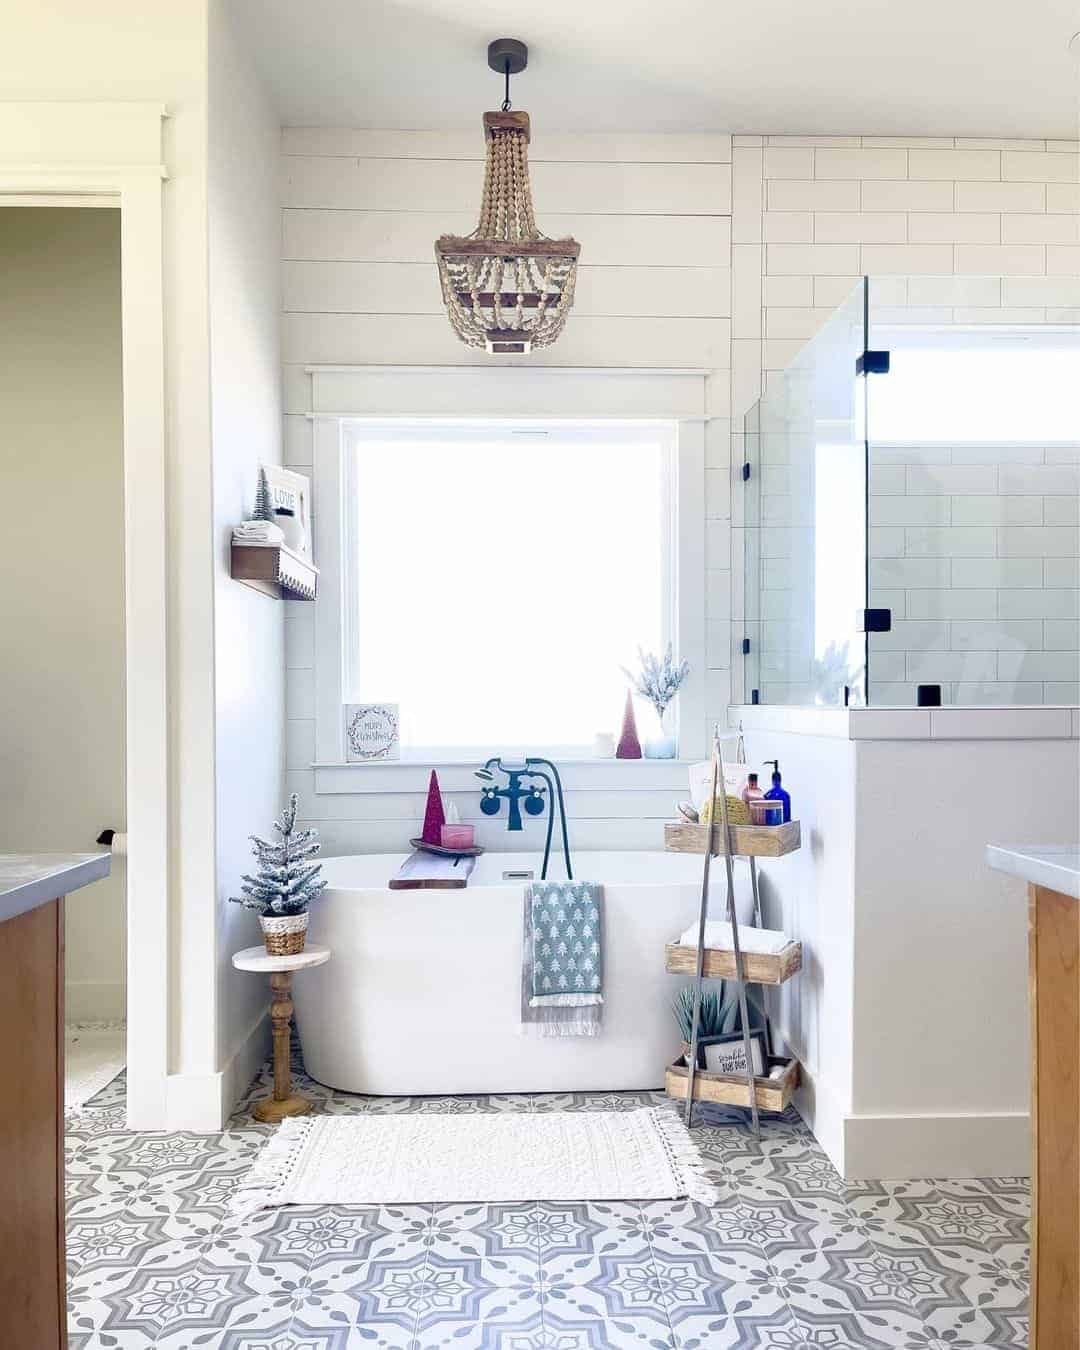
x=457, y=836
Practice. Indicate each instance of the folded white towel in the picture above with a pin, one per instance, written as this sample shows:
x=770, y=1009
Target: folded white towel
x=258, y=532
x=760, y=941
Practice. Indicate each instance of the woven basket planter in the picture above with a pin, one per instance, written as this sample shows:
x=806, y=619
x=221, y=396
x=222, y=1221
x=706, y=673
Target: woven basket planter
x=285, y=934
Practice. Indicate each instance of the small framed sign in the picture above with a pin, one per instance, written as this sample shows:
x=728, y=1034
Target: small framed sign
x=371, y=732
x=290, y=501
x=727, y=1054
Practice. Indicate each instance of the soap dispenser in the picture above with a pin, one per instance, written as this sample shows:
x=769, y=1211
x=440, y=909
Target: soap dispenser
x=777, y=793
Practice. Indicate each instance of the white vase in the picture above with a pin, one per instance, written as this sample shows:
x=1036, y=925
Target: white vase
x=666, y=745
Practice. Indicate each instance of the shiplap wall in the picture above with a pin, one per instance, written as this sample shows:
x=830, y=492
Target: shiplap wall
x=361, y=212
x=976, y=550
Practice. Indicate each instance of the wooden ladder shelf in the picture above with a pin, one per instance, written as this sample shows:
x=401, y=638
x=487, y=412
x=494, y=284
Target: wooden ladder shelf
x=685, y=1080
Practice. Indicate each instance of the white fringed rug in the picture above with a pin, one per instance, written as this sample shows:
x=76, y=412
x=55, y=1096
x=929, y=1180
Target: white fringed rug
x=94, y=1053
x=416, y=1158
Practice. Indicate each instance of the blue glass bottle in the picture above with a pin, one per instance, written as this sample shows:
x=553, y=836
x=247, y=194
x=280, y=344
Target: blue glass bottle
x=777, y=793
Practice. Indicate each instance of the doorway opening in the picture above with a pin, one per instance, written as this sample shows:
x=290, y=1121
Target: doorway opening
x=62, y=681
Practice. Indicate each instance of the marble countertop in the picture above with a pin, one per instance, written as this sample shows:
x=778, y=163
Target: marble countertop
x=1055, y=866
x=31, y=879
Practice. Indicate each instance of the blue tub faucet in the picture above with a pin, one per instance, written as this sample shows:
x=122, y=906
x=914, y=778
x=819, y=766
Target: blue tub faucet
x=523, y=789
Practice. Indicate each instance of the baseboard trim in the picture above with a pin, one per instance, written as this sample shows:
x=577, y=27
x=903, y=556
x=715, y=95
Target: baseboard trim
x=244, y=1063
x=193, y=1102
x=953, y=1147
x=824, y=1116
x=203, y=1102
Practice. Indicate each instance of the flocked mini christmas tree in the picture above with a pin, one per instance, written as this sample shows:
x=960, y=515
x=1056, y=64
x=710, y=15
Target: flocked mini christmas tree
x=286, y=881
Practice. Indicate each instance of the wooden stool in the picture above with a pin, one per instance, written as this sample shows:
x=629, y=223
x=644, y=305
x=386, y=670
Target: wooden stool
x=284, y=1102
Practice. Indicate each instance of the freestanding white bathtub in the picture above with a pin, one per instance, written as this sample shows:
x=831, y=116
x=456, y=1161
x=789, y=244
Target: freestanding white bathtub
x=422, y=993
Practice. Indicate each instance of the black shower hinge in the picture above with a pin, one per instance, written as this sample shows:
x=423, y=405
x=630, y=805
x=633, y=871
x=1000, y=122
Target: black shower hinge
x=755, y=695
x=746, y=646
x=872, y=363
x=877, y=621
x=746, y=472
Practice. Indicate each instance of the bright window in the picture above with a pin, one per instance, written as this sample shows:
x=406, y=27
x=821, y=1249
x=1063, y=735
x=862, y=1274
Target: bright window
x=498, y=576
x=977, y=388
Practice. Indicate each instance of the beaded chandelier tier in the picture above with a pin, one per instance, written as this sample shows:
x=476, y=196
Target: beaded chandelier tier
x=506, y=286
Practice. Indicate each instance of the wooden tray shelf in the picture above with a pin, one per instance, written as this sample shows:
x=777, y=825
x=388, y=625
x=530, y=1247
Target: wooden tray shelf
x=772, y=1094
x=275, y=570
x=758, y=841
x=758, y=967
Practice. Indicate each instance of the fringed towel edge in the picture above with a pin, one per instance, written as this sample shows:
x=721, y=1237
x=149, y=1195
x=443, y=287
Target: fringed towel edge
x=565, y=1000
x=267, y=1182
x=583, y=1028
x=687, y=1163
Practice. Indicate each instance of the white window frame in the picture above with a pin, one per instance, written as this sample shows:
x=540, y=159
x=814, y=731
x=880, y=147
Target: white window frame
x=385, y=398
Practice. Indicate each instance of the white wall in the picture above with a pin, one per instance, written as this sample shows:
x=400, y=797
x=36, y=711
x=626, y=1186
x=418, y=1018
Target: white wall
x=941, y=1036
x=910, y=1014
x=974, y=548
x=361, y=212
x=806, y=216
x=245, y=372
x=810, y=895
x=61, y=550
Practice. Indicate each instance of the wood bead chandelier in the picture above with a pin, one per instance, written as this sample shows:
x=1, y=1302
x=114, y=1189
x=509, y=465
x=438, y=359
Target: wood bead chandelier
x=506, y=286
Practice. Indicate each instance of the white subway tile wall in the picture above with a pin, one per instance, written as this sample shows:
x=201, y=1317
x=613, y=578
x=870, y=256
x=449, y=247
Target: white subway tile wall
x=974, y=548
x=728, y=253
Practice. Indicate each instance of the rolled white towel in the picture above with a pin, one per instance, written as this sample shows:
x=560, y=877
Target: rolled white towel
x=760, y=941
x=258, y=532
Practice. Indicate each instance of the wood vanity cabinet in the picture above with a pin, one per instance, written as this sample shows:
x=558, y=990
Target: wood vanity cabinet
x=33, y=1297
x=1054, y=954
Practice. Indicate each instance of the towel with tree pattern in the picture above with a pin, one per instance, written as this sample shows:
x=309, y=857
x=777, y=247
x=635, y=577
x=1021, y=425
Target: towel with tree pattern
x=567, y=956
x=562, y=958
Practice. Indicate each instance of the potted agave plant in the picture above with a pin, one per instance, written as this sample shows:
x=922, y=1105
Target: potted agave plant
x=658, y=681
x=284, y=885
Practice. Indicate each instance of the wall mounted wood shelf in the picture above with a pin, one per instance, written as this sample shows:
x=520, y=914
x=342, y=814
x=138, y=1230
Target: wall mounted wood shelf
x=275, y=571
x=772, y=1094
x=758, y=967
x=755, y=841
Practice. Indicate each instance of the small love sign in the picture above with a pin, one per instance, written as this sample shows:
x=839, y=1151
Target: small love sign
x=371, y=732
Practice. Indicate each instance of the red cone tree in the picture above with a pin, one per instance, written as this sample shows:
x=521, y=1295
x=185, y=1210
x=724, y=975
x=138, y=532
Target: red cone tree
x=434, y=815
x=629, y=746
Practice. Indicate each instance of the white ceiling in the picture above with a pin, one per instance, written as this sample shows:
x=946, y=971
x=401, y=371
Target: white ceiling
x=924, y=67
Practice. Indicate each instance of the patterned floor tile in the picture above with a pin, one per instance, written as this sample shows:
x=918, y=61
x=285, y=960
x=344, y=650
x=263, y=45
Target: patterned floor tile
x=790, y=1258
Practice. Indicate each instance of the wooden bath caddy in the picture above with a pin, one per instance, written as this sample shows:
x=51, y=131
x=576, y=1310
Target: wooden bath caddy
x=753, y=841
x=771, y=1094
x=758, y=967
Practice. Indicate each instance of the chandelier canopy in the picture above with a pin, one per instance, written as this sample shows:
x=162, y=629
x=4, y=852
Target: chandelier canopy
x=506, y=286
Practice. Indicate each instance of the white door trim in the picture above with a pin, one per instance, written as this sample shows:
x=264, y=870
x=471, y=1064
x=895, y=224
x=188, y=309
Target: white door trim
x=111, y=152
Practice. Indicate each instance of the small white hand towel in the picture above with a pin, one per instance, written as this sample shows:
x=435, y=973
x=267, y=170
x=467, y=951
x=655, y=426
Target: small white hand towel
x=760, y=941
x=258, y=532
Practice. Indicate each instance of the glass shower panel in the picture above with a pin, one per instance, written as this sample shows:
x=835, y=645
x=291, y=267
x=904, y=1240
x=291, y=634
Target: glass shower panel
x=974, y=452
x=805, y=523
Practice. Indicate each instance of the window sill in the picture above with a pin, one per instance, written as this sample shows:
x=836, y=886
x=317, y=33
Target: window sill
x=459, y=775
